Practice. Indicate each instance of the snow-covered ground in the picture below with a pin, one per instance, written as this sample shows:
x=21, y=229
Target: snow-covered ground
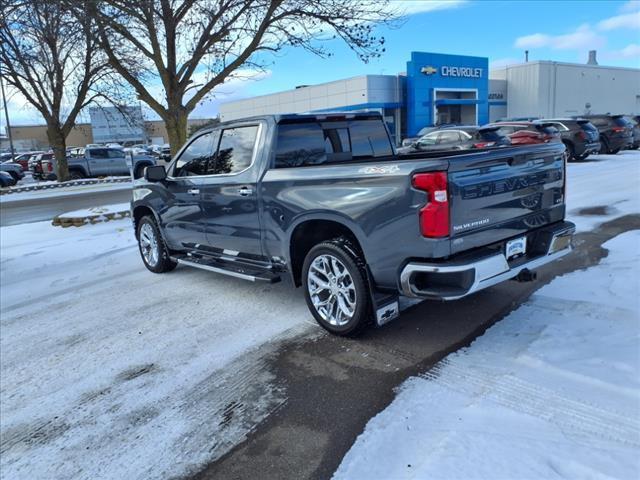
x=552, y=391
x=609, y=181
x=110, y=371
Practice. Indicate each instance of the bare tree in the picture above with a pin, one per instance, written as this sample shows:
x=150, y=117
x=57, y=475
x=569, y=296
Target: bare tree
x=176, y=52
x=52, y=59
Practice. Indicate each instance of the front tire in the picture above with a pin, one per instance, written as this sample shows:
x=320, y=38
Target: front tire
x=153, y=250
x=335, y=285
x=75, y=175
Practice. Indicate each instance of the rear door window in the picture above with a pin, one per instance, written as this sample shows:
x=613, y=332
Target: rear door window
x=300, y=144
x=313, y=143
x=115, y=153
x=99, y=153
x=369, y=139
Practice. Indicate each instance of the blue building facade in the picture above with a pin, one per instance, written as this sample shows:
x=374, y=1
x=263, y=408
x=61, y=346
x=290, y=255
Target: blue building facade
x=444, y=88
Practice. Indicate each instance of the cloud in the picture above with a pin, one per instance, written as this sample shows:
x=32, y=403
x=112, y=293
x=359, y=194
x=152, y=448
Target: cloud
x=413, y=7
x=581, y=39
x=630, y=6
x=234, y=88
x=626, y=20
x=630, y=51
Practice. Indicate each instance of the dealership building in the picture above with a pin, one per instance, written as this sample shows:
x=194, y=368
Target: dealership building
x=438, y=88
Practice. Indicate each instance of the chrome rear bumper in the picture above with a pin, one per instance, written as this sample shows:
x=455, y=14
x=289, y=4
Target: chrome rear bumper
x=457, y=279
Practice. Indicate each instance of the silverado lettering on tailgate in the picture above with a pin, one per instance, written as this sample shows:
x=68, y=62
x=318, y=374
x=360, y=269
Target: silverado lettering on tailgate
x=509, y=184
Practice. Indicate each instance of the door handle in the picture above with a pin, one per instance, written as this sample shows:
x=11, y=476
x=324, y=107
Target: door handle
x=245, y=191
x=193, y=191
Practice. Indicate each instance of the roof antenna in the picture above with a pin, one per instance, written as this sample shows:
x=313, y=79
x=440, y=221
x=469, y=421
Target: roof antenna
x=526, y=56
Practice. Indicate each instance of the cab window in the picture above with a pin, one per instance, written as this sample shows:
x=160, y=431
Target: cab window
x=193, y=159
x=234, y=152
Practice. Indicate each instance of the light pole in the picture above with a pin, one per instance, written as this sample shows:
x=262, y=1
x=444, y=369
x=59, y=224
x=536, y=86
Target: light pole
x=6, y=116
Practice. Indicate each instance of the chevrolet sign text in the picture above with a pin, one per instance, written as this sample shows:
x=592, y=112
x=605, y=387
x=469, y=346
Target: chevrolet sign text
x=467, y=72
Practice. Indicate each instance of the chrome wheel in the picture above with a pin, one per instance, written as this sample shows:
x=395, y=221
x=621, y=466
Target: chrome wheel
x=331, y=290
x=149, y=245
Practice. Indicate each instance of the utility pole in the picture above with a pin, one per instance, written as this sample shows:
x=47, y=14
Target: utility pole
x=6, y=116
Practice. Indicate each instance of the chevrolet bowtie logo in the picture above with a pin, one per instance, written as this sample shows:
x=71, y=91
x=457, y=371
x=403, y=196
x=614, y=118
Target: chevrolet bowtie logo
x=428, y=70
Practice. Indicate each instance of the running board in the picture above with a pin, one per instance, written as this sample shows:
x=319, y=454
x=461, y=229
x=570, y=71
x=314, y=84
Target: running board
x=225, y=268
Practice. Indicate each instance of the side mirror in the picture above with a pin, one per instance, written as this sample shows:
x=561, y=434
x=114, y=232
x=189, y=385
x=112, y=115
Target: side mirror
x=155, y=173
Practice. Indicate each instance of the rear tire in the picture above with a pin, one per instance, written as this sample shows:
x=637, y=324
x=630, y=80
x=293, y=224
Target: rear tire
x=153, y=250
x=613, y=152
x=335, y=287
x=15, y=176
x=75, y=175
x=604, y=146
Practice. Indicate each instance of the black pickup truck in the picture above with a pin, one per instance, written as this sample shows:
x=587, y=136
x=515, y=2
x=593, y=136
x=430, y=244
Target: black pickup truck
x=325, y=199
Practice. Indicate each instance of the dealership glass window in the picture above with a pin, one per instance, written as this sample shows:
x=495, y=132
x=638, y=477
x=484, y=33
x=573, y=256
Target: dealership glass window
x=300, y=144
x=369, y=139
x=235, y=151
x=193, y=160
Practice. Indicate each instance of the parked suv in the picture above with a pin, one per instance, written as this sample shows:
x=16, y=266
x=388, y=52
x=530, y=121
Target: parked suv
x=528, y=133
x=616, y=132
x=579, y=135
x=325, y=199
x=458, y=138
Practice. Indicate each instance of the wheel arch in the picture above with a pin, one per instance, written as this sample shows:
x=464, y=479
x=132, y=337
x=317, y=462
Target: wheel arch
x=139, y=211
x=311, y=230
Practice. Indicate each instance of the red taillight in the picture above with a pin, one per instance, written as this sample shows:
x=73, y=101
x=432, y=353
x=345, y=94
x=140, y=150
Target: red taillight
x=50, y=166
x=617, y=129
x=434, y=216
x=581, y=135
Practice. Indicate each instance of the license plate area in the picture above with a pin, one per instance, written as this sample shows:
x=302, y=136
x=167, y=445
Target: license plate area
x=515, y=248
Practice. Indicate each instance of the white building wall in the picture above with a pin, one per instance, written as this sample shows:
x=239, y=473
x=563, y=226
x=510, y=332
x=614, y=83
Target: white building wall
x=331, y=95
x=552, y=89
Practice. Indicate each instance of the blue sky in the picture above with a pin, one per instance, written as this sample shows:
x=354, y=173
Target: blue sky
x=499, y=30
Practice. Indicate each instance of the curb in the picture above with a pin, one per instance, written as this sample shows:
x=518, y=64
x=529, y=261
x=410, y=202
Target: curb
x=71, y=183
x=64, y=222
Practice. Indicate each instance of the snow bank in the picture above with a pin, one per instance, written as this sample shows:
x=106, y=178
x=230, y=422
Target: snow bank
x=552, y=391
x=64, y=191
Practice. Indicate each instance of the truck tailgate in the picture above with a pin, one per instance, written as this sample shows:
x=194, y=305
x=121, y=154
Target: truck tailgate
x=497, y=196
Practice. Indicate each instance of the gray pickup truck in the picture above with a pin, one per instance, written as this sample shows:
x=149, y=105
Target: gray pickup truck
x=325, y=199
x=94, y=162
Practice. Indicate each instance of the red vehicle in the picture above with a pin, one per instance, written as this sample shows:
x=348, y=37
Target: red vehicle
x=528, y=133
x=23, y=159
